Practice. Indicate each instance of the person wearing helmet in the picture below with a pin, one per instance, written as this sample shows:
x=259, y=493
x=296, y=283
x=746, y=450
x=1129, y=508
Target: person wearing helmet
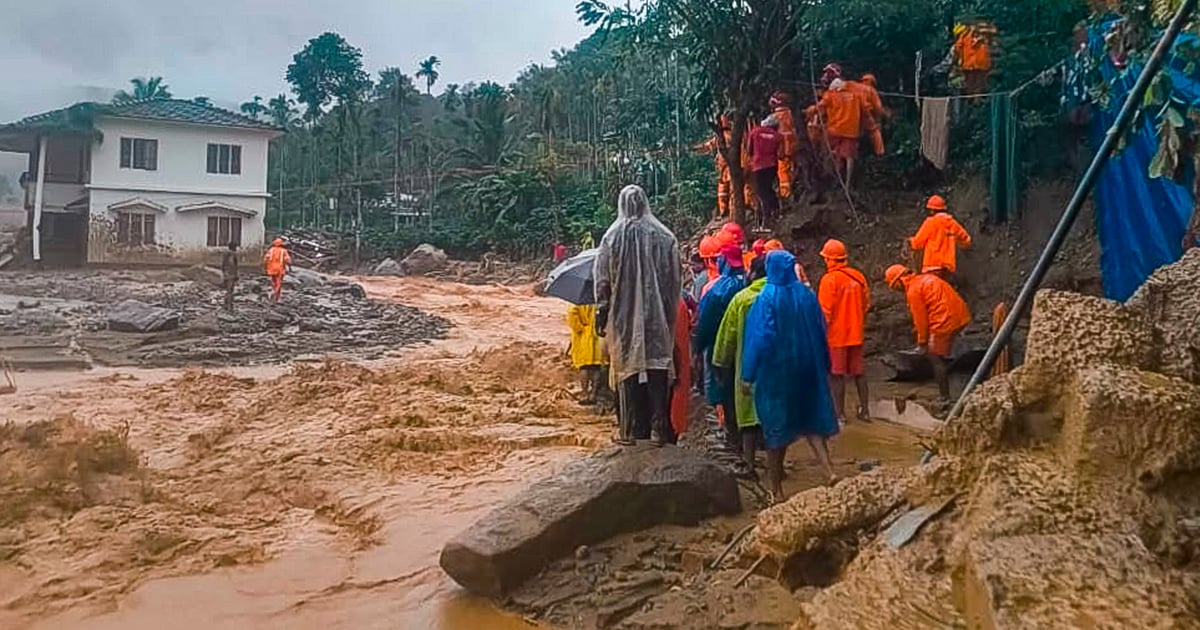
x=781, y=111
x=277, y=262
x=712, y=310
x=727, y=356
x=708, y=252
x=973, y=53
x=843, y=108
x=775, y=245
x=845, y=298
x=939, y=314
x=713, y=146
x=873, y=112
x=939, y=238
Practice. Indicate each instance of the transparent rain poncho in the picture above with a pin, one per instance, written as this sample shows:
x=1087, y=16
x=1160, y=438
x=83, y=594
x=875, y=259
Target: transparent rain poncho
x=637, y=277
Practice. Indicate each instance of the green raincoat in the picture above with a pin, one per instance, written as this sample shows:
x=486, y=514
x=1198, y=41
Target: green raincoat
x=727, y=351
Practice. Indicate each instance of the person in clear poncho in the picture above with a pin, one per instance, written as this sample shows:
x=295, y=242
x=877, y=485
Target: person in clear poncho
x=638, y=285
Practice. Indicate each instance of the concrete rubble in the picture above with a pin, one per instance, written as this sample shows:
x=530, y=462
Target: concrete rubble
x=1075, y=479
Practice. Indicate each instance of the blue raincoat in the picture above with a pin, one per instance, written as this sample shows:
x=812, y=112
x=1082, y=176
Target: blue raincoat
x=712, y=310
x=786, y=358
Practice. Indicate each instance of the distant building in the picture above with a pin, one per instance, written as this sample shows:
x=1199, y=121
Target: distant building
x=150, y=181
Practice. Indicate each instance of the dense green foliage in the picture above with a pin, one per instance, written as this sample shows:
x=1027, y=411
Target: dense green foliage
x=511, y=168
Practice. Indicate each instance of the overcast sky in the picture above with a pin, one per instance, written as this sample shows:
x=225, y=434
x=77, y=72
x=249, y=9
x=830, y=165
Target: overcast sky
x=53, y=51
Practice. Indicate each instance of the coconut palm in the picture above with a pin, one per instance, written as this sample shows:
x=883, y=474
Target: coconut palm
x=143, y=88
x=429, y=72
x=254, y=108
x=281, y=110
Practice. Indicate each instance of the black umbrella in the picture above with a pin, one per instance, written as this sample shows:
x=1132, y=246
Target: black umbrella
x=572, y=280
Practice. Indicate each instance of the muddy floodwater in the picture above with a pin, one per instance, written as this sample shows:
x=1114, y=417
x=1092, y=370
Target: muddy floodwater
x=317, y=495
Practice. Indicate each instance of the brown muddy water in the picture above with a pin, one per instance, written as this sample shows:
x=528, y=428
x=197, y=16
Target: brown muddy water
x=313, y=497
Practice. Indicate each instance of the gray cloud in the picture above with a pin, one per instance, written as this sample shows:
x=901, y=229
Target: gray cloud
x=230, y=50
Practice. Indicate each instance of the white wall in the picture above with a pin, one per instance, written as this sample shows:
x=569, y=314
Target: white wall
x=182, y=158
x=180, y=237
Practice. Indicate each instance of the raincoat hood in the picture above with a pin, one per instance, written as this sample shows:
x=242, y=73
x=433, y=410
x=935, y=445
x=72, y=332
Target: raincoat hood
x=638, y=267
x=781, y=268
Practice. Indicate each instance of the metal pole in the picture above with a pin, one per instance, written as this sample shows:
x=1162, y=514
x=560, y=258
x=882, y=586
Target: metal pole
x=1132, y=102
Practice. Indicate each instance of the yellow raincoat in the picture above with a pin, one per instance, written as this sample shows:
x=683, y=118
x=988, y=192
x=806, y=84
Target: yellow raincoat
x=586, y=349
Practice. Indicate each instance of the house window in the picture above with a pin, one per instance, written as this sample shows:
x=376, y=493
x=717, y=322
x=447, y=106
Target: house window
x=225, y=159
x=224, y=230
x=139, y=153
x=134, y=228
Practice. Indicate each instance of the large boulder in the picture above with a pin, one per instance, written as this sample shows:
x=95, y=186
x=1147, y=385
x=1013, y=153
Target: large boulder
x=388, y=267
x=425, y=259
x=612, y=492
x=139, y=317
x=299, y=276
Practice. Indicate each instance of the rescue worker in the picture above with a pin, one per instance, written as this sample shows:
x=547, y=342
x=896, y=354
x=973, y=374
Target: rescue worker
x=587, y=354
x=712, y=311
x=781, y=111
x=843, y=110
x=845, y=298
x=785, y=364
x=973, y=54
x=939, y=238
x=638, y=287
x=727, y=356
x=757, y=249
x=939, y=314
x=229, y=274
x=765, y=145
x=277, y=262
x=775, y=245
x=724, y=180
x=873, y=113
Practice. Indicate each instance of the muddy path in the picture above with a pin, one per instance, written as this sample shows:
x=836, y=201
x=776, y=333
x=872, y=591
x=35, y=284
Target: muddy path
x=319, y=496
x=315, y=498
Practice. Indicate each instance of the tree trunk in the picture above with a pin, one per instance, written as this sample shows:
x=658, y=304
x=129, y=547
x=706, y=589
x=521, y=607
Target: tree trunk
x=737, y=176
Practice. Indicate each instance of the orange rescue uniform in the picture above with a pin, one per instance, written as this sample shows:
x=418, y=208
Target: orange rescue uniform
x=276, y=262
x=787, y=149
x=938, y=312
x=940, y=235
x=873, y=109
x=844, y=298
x=843, y=112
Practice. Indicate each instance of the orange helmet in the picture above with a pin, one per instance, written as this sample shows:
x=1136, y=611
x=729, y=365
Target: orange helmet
x=773, y=245
x=709, y=247
x=893, y=275
x=834, y=250
x=936, y=203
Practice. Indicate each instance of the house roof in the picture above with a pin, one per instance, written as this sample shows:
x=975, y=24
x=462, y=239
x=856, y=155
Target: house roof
x=79, y=118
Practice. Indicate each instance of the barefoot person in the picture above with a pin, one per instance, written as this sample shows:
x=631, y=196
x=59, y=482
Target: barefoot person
x=939, y=314
x=638, y=285
x=277, y=262
x=845, y=298
x=786, y=363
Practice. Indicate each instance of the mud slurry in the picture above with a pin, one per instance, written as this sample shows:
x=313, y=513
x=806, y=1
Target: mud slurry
x=1073, y=480
x=122, y=482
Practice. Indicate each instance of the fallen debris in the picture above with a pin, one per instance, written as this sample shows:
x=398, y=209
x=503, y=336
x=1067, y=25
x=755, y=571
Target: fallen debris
x=138, y=317
x=593, y=499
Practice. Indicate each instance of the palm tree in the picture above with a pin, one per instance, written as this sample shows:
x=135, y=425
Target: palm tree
x=143, y=89
x=451, y=98
x=429, y=72
x=281, y=110
x=254, y=108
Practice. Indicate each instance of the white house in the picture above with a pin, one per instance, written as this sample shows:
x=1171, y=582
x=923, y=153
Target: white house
x=150, y=181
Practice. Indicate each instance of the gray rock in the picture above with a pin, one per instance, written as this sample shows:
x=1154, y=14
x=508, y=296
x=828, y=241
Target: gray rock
x=139, y=317
x=593, y=499
x=299, y=276
x=203, y=274
x=388, y=267
x=425, y=259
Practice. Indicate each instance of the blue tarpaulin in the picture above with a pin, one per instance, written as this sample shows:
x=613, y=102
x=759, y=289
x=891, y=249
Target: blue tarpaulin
x=1140, y=220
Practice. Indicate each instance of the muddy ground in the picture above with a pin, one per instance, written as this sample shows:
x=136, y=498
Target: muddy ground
x=59, y=318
